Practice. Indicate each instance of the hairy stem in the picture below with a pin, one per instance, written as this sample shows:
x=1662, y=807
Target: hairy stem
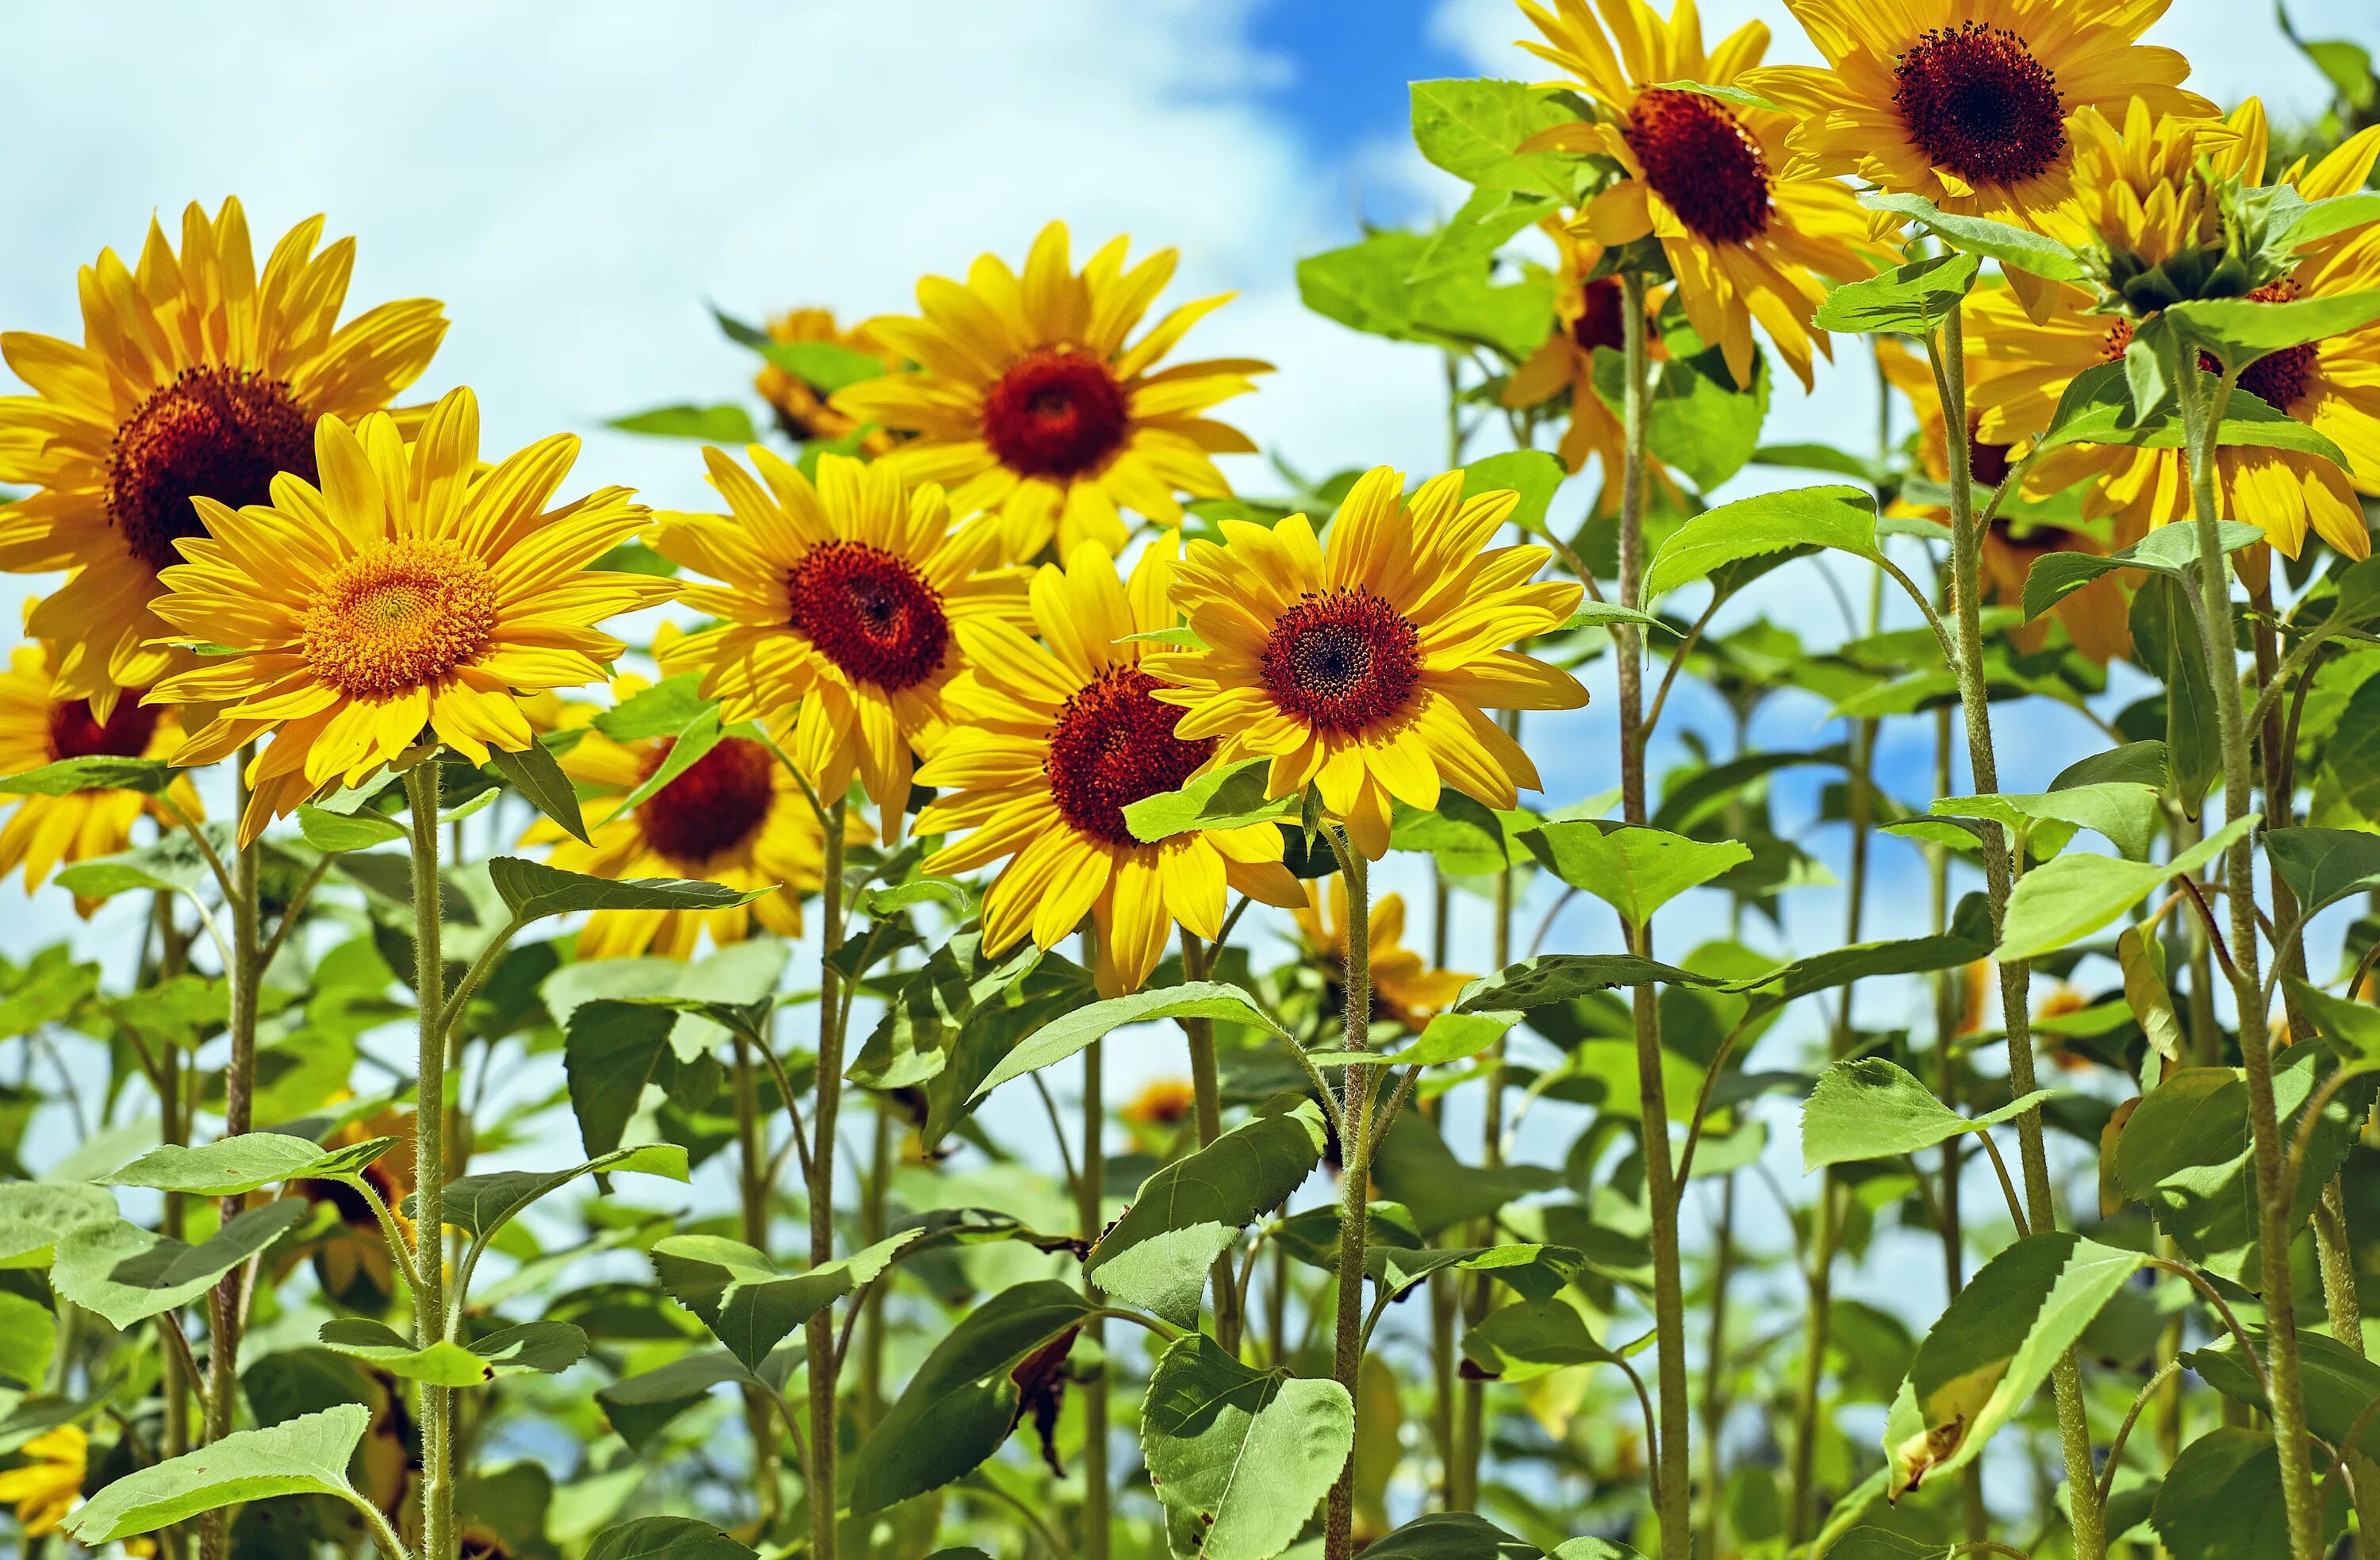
x=430, y=1320
x=1355, y=1152
x=818, y=1335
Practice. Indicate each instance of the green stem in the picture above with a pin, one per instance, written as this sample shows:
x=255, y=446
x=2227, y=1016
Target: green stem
x=430, y=1323
x=1477, y=1296
x=1714, y=1383
x=752, y=1200
x=1206, y=1088
x=1090, y=1198
x=820, y=1330
x=1354, y=1149
x=226, y=1304
x=872, y=1228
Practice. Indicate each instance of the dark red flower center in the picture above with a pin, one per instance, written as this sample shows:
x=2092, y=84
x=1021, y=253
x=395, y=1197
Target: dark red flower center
x=214, y=432
x=870, y=612
x=1699, y=159
x=1987, y=463
x=2277, y=379
x=74, y=734
x=1601, y=321
x=1978, y=104
x=1058, y=413
x=1114, y=744
x=2037, y=538
x=1342, y=660
x=718, y=804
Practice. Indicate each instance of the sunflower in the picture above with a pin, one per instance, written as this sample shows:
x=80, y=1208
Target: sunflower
x=1965, y=102
x=1162, y=1101
x=1742, y=230
x=1028, y=402
x=1362, y=669
x=39, y=727
x=49, y=1483
x=2332, y=384
x=802, y=414
x=2097, y=617
x=2150, y=195
x=412, y=592
x=842, y=597
x=1055, y=742
x=1405, y=989
x=351, y=1258
x=734, y=816
x=196, y=379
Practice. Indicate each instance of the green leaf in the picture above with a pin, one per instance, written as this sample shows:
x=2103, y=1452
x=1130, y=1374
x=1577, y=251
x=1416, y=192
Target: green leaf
x=641, y=1407
x=2321, y=219
x=1371, y=286
x=34, y=1215
x=334, y=832
x=544, y=1348
x=1228, y=797
x=483, y=1204
x=1699, y=419
x=610, y=1050
x=2168, y=550
x=688, y=748
x=1632, y=868
x=1519, y=1343
x=665, y=1538
x=1534, y=474
x=1989, y=1352
x=2126, y=812
x=1909, y=299
x=2237, y=331
x=306, y=1455
x=822, y=365
x=748, y=1302
x=127, y=1274
x=2351, y=1027
x=2063, y=901
x=1413, y=1166
x=1733, y=97
x=2339, y=1385
x=28, y=1336
x=724, y=423
x=1474, y=129
x=667, y=708
x=1870, y=1108
x=534, y=772
x=1157, y=1256
x=172, y=864
x=2103, y=406
x=1969, y=938
x=1061, y=1038
x=2147, y=994
x=1822, y=458
x=1452, y=1535
x=2323, y=866
x=1448, y=1037
x=1536, y=1271
x=1241, y=1457
x=231, y=1166
x=100, y=772
x=2166, y=640
x=1840, y=517
x=2222, y=1498
x=532, y=890
x=959, y=1407
x=2014, y=247
x=1553, y=978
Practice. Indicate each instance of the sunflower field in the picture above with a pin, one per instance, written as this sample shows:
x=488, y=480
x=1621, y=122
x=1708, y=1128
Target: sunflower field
x=999, y=992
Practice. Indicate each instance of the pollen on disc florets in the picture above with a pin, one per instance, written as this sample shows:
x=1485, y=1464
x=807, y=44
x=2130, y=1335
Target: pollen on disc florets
x=75, y=734
x=1978, y=103
x=214, y=432
x=1114, y=745
x=870, y=612
x=1341, y=660
x=399, y=616
x=1057, y=412
x=1702, y=162
x=718, y=803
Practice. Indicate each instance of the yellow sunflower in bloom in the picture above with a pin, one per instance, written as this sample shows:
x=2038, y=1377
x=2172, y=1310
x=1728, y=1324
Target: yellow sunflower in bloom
x=734, y=816
x=1405, y=989
x=1742, y=231
x=2097, y=617
x=1162, y=1101
x=1965, y=102
x=48, y=1484
x=1029, y=400
x=196, y=379
x=1053, y=743
x=1362, y=669
x=841, y=598
x=411, y=592
x=2148, y=191
x=39, y=727
x=2332, y=385
x=802, y=414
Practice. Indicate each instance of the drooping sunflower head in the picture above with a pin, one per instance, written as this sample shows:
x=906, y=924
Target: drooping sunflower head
x=411, y=597
x=1031, y=399
x=197, y=379
x=803, y=414
x=842, y=597
x=1363, y=668
x=2162, y=209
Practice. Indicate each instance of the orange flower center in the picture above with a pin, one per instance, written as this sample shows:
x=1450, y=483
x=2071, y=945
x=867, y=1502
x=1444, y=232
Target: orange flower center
x=1699, y=159
x=399, y=617
x=870, y=612
x=1342, y=660
x=1114, y=744
x=1601, y=321
x=1058, y=413
x=75, y=733
x=214, y=432
x=1977, y=103
x=718, y=804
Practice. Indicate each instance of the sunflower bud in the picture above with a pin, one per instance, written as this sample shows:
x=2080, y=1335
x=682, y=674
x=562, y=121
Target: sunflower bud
x=2166, y=215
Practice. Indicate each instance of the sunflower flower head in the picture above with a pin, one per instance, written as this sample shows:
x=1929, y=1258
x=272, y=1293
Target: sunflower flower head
x=411, y=593
x=1405, y=989
x=48, y=1484
x=1363, y=668
x=196, y=378
x=802, y=413
x=1033, y=400
x=2163, y=213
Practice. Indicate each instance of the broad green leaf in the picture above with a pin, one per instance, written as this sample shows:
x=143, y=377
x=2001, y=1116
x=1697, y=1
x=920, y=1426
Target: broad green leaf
x=688, y=748
x=532, y=890
x=1969, y=938
x=1698, y=420
x=1228, y=797
x=747, y=1300
x=1241, y=1457
x=1536, y=1272
x=1633, y=869
x=541, y=1347
x=914, y=1042
x=2339, y=1385
x=1519, y=1343
x=1989, y=1352
x=172, y=864
x=1157, y=1254
x=1603, y=615
x=100, y=772
x=2142, y=764
x=1823, y=458
x=2168, y=549
x=1531, y=473
x=1371, y=286
x=641, y=1406
x=725, y=424
x=230, y=1166
x=1704, y=795
x=1448, y=1037
x=334, y=832
x=2237, y=331
x=2166, y=642
x=1061, y=1038
x=1551, y=978
x=2351, y=1027
x=36, y=1216
x=1468, y=241
x=2016, y=246
x=612, y=1049
x=822, y=365
x=28, y=1336
x=1735, y=97
x=1474, y=129
x=2127, y=814
x=2323, y=866
x=1452, y=1535
x=1839, y=518
x=1909, y=299
x=2222, y=1500
x=2146, y=994
x=534, y=773
x=1871, y=1108
x=2063, y=901
x=665, y=709
x=306, y=1455
x=666, y=1538
x=482, y=1204
x=2321, y=219
x=1413, y=1166
x=1467, y=836
x=127, y=1274
x=960, y=1405
x=2101, y=406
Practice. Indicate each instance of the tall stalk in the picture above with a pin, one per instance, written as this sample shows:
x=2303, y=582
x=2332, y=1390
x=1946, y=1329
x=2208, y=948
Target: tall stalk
x=430, y=1321
x=226, y=1304
x=1472, y=1428
x=752, y=1206
x=820, y=1330
x=1948, y=352
x=1090, y=1198
x=2202, y=424
x=1355, y=1159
